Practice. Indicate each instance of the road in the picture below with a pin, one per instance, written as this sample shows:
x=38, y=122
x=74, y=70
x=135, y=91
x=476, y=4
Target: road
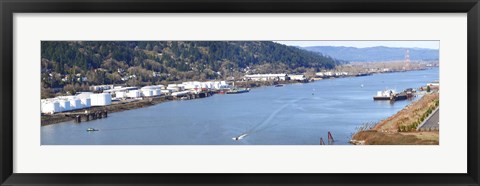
x=432, y=122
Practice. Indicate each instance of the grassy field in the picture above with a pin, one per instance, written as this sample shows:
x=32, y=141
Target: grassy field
x=400, y=129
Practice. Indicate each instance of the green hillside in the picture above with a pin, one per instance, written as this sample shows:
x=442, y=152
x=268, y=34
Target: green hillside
x=82, y=63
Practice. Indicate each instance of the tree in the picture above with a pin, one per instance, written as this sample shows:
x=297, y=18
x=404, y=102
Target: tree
x=148, y=47
x=46, y=92
x=106, y=62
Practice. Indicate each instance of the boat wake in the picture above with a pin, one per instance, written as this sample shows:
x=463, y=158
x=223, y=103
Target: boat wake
x=267, y=122
x=239, y=137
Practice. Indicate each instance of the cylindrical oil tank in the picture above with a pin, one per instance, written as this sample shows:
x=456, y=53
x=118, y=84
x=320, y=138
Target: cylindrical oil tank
x=86, y=102
x=134, y=94
x=147, y=93
x=101, y=99
x=50, y=107
x=64, y=105
x=120, y=94
x=157, y=92
x=75, y=104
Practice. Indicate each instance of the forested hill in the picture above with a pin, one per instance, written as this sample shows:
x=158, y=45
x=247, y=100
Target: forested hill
x=372, y=54
x=133, y=63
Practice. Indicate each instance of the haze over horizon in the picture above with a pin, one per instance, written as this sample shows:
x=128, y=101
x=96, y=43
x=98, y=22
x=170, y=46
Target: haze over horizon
x=366, y=44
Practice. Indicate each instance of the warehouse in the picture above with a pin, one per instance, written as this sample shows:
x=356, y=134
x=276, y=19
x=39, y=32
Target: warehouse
x=266, y=77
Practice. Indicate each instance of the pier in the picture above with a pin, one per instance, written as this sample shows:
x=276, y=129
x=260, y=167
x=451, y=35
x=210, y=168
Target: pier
x=78, y=117
x=193, y=95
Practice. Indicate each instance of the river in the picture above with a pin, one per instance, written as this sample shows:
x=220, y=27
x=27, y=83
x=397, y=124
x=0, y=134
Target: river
x=295, y=114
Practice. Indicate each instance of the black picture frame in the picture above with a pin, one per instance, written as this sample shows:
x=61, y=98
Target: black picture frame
x=9, y=7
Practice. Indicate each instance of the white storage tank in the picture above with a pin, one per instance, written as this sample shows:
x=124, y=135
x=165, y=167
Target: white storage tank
x=209, y=85
x=75, y=104
x=121, y=94
x=43, y=107
x=147, y=92
x=216, y=85
x=50, y=107
x=173, y=89
x=157, y=92
x=101, y=99
x=64, y=105
x=154, y=92
x=147, y=87
x=134, y=94
x=86, y=102
x=165, y=92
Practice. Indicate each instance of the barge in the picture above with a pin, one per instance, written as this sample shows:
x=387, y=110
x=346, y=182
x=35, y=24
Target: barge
x=393, y=96
x=384, y=95
x=238, y=91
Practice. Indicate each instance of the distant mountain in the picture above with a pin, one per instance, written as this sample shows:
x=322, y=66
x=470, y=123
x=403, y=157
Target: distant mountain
x=372, y=54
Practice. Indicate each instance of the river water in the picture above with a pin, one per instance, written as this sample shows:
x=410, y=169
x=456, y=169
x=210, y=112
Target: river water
x=295, y=114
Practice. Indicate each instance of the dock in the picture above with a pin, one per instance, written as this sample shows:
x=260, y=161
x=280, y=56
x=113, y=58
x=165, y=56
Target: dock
x=193, y=95
x=78, y=117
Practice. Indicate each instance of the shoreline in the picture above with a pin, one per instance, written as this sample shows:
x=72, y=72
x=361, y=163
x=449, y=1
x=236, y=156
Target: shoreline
x=402, y=127
x=145, y=102
x=116, y=107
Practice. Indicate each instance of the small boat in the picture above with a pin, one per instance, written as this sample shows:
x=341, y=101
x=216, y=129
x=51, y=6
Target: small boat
x=279, y=85
x=240, y=137
x=91, y=130
x=238, y=90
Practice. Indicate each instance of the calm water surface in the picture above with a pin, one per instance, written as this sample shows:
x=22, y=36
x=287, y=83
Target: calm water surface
x=296, y=114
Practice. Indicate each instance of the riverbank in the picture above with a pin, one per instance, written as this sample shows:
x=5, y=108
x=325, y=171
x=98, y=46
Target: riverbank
x=401, y=128
x=129, y=105
x=288, y=115
x=115, y=107
x=256, y=84
x=134, y=104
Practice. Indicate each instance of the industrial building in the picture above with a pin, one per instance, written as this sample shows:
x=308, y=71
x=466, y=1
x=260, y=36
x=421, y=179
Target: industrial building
x=297, y=77
x=110, y=93
x=266, y=77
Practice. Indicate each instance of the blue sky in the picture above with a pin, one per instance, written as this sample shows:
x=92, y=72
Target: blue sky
x=363, y=44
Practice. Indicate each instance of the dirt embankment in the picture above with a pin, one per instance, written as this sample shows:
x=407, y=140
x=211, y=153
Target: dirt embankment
x=400, y=129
